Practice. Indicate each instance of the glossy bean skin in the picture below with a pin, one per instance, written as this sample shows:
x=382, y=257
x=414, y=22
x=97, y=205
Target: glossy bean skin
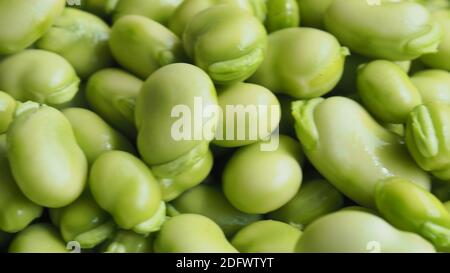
x=359, y=208
x=142, y=45
x=278, y=180
x=82, y=39
x=94, y=135
x=187, y=10
x=427, y=134
x=158, y=10
x=357, y=231
x=50, y=80
x=327, y=127
x=440, y=59
x=8, y=107
x=433, y=85
x=179, y=161
x=79, y=100
x=301, y=62
x=249, y=97
x=266, y=236
x=208, y=201
x=51, y=170
x=227, y=42
x=83, y=221
x=16, y=211
x=112, y=93
x=396, y=128
x=112, y=115
x=125, y=241
x=184, y=13
x=392, y=99
x=347, y=83
x=315, y=198
x=403, y=42
x=21, y=29
x=256, y=7
x=38, y=238
x=282, y=14
x=411, y=208
x=124, y=186
x=199, y=235
x=102, y=8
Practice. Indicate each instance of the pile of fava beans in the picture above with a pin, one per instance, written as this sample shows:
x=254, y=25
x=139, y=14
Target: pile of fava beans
x=250, y=126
